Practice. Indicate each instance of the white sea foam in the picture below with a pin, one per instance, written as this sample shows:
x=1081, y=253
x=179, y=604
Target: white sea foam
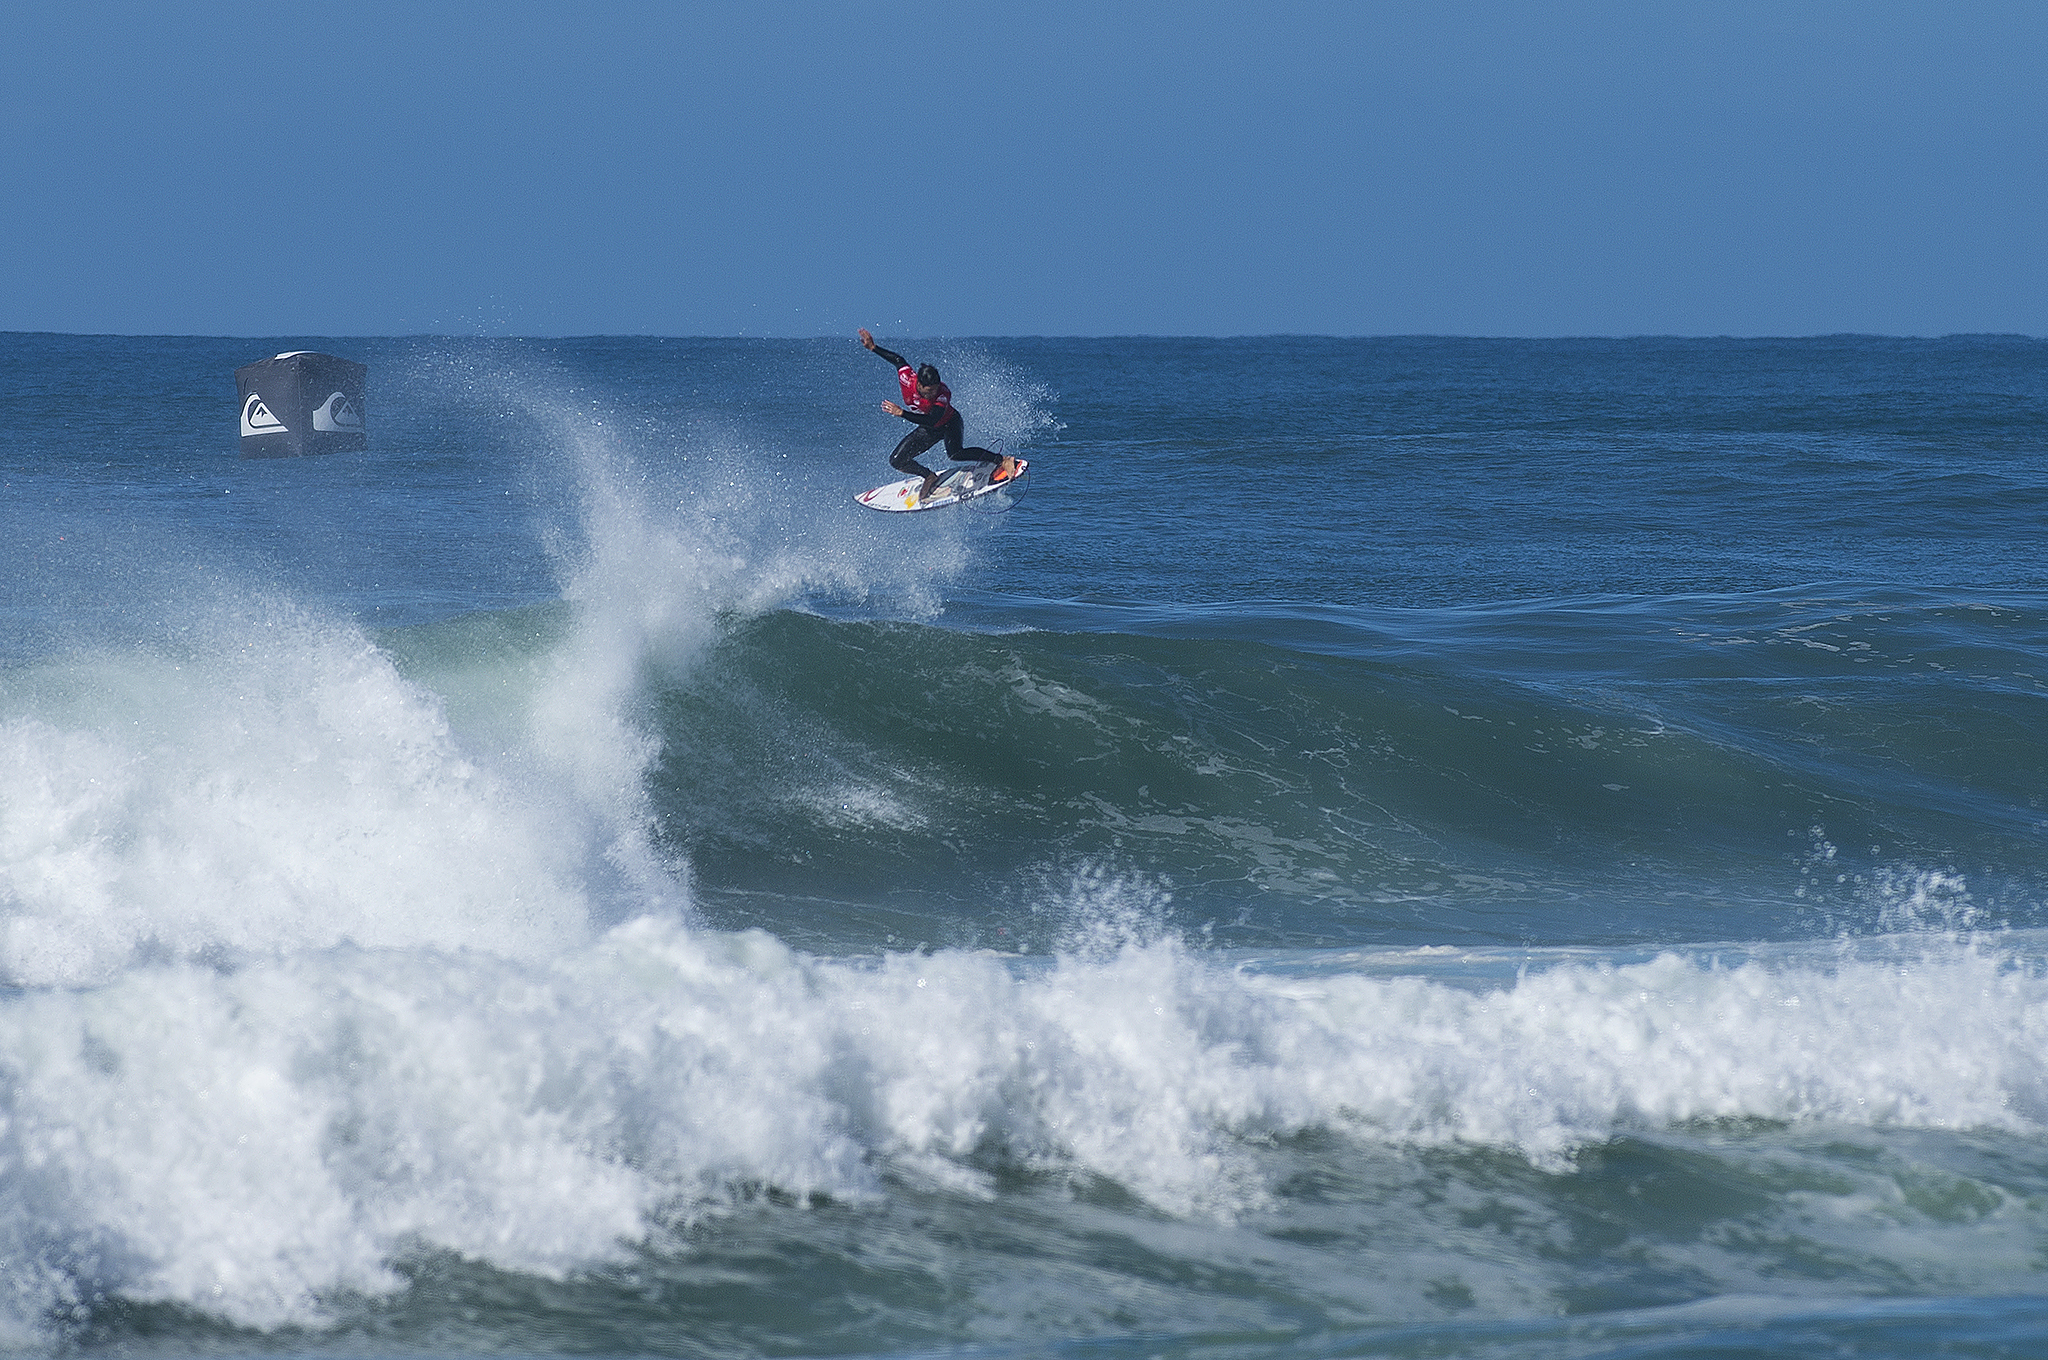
x=246, y=1142
x=276, y=785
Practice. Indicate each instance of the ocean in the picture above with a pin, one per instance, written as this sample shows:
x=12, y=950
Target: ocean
x=1377, y=847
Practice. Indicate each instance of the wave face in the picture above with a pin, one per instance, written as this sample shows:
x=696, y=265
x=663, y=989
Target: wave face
x=1546, y=858
x=1583, y=772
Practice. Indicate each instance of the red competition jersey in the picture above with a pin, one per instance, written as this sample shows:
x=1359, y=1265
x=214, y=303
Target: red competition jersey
x=912, y=401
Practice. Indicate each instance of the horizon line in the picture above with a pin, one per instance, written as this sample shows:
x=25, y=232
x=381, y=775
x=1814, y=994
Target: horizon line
x=1114, y=335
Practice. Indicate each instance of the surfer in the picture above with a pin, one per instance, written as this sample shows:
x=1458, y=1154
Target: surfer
x=928, y=404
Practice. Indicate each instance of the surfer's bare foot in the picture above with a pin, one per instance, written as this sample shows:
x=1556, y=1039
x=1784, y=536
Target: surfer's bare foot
x=1005, y=470
x=931, y=484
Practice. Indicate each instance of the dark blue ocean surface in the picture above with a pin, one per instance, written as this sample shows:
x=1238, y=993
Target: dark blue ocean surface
x=1377, y=847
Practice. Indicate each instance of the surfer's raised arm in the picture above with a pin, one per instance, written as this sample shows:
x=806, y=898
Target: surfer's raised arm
x=891, y=355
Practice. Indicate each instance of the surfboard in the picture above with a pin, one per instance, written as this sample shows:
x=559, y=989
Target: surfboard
x=954, y=488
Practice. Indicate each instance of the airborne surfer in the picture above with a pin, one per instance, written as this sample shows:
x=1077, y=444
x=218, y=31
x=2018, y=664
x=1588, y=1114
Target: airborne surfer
x=928, y=404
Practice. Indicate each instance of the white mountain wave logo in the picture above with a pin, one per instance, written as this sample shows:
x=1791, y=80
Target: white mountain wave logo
x=338, y=415
x=257, y=419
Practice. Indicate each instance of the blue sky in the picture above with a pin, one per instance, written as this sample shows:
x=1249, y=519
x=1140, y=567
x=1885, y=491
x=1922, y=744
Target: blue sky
x=1046, y=168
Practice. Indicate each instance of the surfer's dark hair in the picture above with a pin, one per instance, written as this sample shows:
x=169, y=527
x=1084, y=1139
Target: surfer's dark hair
x=927, y=376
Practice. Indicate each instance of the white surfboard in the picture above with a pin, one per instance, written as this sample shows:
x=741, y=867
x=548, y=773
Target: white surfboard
x=961, y=484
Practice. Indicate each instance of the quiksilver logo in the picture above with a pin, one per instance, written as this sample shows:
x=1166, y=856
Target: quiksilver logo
x=338, y=414
x=256, y=417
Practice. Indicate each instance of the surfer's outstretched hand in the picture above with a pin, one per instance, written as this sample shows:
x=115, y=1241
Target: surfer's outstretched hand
x=867, y=340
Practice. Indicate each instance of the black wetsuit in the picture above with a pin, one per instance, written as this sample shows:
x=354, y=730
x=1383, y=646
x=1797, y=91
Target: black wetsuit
x=932, y=426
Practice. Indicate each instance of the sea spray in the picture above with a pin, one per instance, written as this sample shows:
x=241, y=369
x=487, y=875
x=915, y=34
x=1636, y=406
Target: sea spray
x=271, y=783
x=255, y=775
